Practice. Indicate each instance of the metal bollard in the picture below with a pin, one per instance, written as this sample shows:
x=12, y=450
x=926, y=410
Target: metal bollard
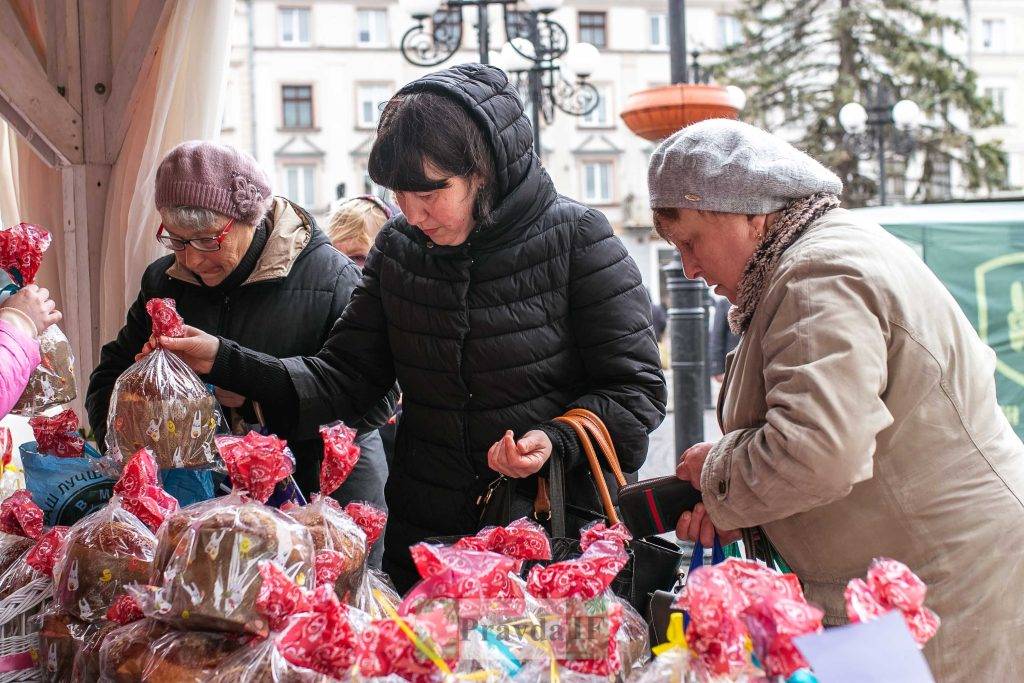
x=688, y=330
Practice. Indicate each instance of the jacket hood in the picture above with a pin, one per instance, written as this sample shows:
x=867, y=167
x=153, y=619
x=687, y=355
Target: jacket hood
x=524, y=189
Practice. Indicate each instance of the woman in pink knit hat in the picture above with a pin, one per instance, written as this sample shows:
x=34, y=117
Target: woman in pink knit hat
x=254, y=267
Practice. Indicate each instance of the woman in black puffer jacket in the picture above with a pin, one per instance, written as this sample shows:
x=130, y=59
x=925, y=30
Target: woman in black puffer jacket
x=495, y=302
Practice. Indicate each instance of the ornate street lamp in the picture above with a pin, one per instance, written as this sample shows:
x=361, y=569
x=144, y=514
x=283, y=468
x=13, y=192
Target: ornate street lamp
x=534, y=41
x=883, y=123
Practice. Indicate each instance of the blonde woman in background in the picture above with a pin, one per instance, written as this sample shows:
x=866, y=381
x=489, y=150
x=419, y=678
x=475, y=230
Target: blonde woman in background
x=354, y=225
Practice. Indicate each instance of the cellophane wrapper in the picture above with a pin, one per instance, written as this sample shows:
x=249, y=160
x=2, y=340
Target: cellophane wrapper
x=86, y=667
x=12, y=549
x=60, y=638
x=150, y=651
x=262, y=662
x=53, y=381
x=103, y=553
x=674, y=666
x=211, y=577
x=161, y=404
x=334, y=531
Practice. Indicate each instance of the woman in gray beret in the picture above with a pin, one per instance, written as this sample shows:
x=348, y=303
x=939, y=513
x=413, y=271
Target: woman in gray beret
x=859, y=411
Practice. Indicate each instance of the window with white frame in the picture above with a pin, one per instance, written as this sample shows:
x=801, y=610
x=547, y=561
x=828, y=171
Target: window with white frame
x=602, y=116
x=730, y=30
x=658, y=23
x=372, y=27
x=370, y=99
x=300, y=183
x=998, y=97
x=597, y=181
x=993, y=35
x=294, y=24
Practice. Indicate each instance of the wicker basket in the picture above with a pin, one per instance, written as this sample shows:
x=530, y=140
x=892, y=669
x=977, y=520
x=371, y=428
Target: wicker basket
x=19, y=631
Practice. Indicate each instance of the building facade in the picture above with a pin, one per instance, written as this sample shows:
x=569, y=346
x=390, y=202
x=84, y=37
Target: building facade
x=308, y=77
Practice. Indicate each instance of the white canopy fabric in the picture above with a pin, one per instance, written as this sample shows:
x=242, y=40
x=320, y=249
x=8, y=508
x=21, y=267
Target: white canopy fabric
x=92, y=95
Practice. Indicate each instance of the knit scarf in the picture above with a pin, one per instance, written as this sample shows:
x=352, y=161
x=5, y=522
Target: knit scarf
x=792, y=222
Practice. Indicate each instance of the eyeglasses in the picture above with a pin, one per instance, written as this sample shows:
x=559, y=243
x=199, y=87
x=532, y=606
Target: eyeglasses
x=197, y=243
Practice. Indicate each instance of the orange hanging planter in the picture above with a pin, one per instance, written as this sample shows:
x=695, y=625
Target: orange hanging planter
x=656, y=113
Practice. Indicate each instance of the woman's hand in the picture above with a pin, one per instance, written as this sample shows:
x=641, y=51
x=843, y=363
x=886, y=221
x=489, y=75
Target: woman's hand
x=697, y=526
x=692, y=463
x=519, y=459
x=197, y=348
x=36, y=305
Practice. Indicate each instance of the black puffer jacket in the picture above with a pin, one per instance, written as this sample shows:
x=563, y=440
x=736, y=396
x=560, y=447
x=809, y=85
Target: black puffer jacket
x=539, y=311
x=282, y=298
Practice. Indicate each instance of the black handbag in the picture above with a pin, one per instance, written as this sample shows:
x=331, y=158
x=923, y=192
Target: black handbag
x=653, y=563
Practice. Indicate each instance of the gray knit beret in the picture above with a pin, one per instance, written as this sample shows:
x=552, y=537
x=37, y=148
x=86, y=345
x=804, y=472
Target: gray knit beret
x=215, y=177
x=732, y=167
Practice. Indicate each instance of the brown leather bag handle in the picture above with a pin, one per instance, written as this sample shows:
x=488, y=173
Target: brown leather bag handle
x=585, y=424
x=599, y=432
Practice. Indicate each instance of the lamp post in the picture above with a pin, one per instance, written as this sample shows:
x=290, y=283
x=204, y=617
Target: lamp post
x=883, y=124
x=534, y=44
x=655, y=114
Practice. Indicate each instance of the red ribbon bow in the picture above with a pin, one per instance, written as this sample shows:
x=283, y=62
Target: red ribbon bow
x=44, y=554
x=279, y=597
x=522, y=539
x=21, y=251
x=328, y=567
x=125, y=610
x=20, y=516
x=58, y=435
x=255, y=463
x=315, y=629
x=166, y=321
x=461, y=574
x=370, y=518
x=892, y=585
x=141, y=495
x=340, y=456
x=321, y=639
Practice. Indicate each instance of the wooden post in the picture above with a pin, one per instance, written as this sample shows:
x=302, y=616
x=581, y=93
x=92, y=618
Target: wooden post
x=74, y=106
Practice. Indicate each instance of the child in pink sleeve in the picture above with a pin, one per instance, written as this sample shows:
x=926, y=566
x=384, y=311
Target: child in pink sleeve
x=22, y=317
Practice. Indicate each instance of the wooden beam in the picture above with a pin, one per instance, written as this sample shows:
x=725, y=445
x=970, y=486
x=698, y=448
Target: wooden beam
x=63, y=63
x=13, y=32
x=134, y=66
x=41, y=147
x=26, y=89
x=94, y=45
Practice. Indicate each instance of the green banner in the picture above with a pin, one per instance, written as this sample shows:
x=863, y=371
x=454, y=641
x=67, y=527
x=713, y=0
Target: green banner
x=982, y=265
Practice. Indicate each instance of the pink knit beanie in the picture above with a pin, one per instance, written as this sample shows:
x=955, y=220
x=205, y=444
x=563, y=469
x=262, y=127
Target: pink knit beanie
x=215, y=177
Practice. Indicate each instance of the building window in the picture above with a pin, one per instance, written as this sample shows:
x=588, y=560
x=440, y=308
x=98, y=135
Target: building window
x=993, y=35
x=594, y=28
x=372, y=28
x=294, y=22
x=998, y=97
x=597, y=182
x=730, y=30
x=370, y=98
x=297, y=106
x=659, y=31
x=299, y=181
x=602, y=116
